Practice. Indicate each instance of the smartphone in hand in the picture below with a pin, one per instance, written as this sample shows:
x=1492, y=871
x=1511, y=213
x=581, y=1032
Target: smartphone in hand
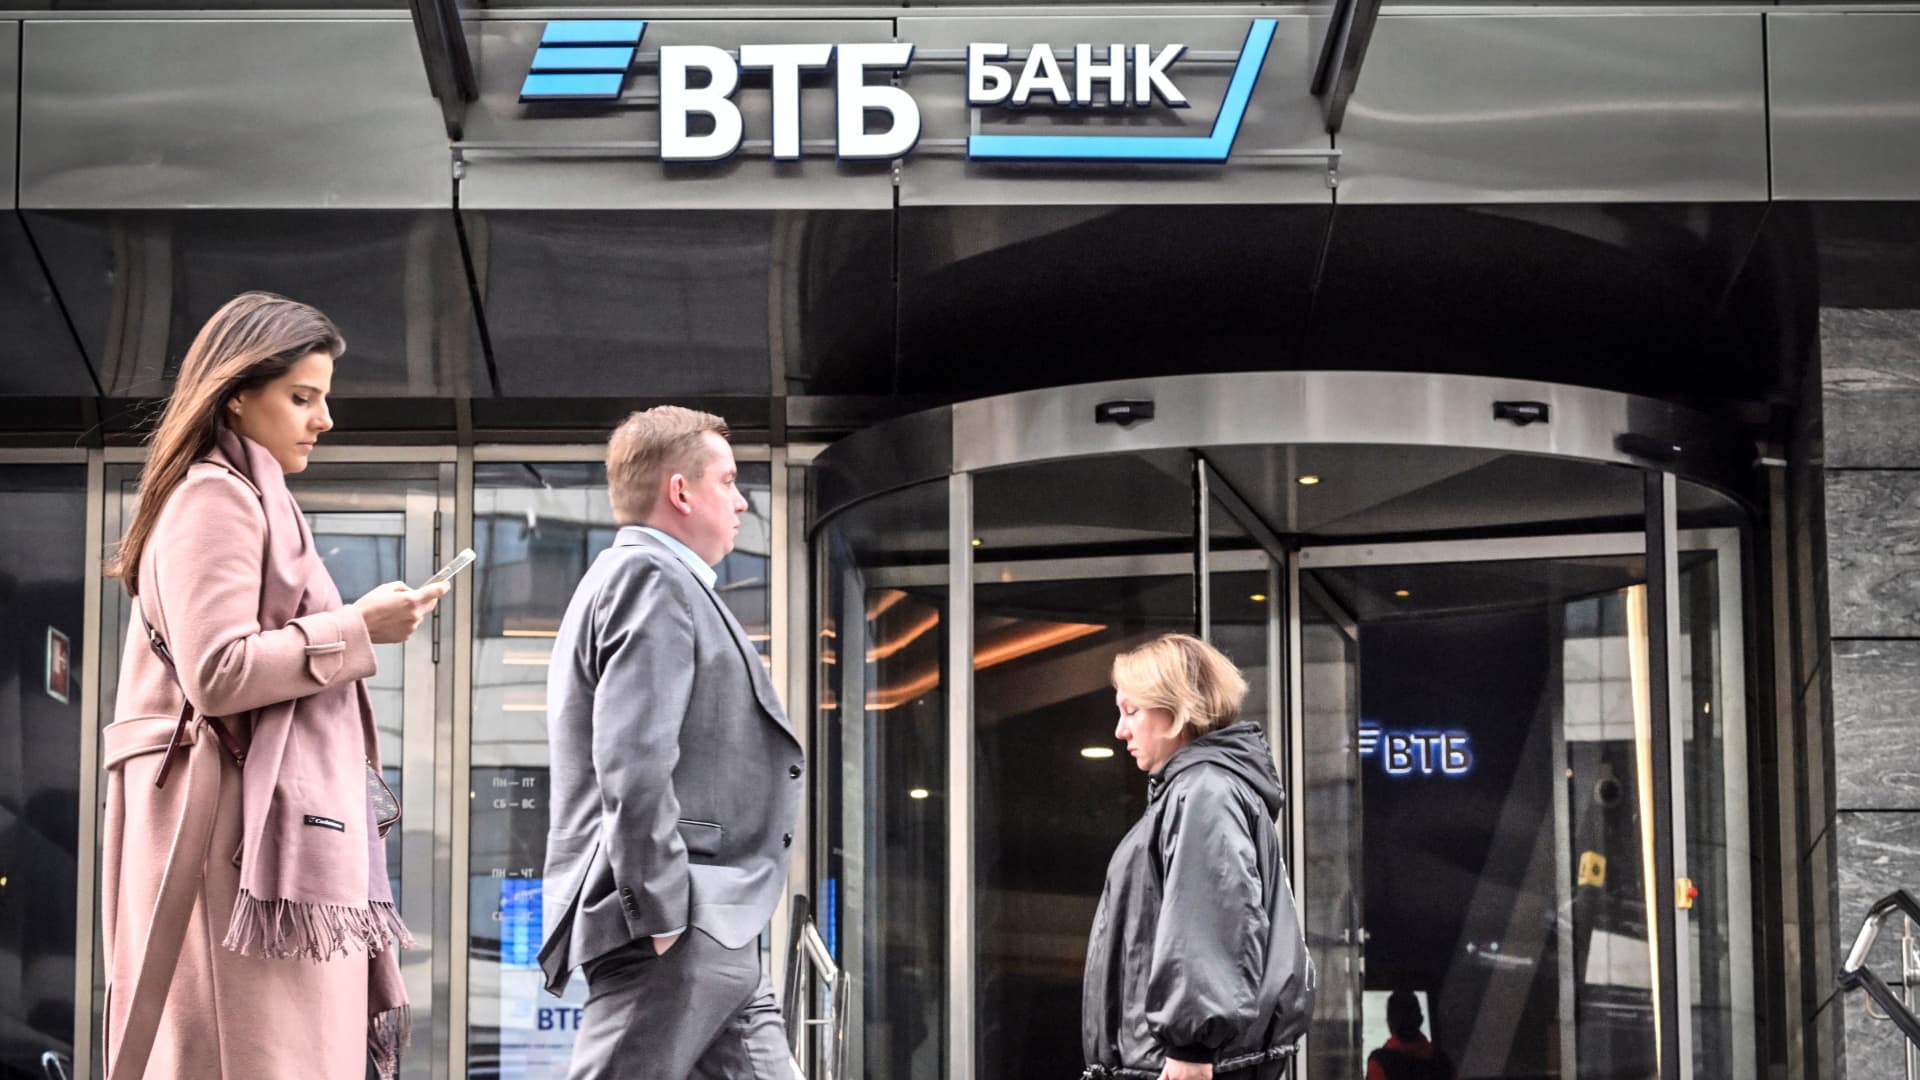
x=460, y=562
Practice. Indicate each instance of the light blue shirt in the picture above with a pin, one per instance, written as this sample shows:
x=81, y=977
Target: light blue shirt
x=701, y=570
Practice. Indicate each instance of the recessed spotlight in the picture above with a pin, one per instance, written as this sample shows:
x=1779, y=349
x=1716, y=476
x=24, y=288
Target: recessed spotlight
x=976, y=541
x=1096, y=753
x=1258, y=598
x=1402, y=593
x=918, y=793
x=1308, y=480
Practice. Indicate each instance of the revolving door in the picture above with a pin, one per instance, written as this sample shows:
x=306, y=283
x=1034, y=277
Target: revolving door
x=1492, y=629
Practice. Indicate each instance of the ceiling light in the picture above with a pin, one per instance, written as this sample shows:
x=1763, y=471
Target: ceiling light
x=1308, y=480
x=918, y=793
x=1402, y=593
x=1096, y=753
x=1258, y=598
x=976, y=541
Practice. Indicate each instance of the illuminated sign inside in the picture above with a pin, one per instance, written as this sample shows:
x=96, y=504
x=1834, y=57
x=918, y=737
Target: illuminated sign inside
x=587, y=60
x=1418, y=753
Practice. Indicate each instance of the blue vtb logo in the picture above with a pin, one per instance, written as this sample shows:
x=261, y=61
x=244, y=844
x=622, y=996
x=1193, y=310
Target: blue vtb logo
x=1427, y=753
x=583, y=60
x=588, y=60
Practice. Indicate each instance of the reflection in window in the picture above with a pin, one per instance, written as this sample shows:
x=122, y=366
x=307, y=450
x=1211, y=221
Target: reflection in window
x=882, y=733
x=1511, y=890
x=537, y=527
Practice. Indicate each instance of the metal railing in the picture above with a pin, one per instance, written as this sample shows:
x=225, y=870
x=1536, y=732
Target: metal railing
x=814, y=978
x=1855, y=974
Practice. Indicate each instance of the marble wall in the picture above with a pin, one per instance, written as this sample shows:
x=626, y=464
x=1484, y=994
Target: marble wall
x=1861, y=688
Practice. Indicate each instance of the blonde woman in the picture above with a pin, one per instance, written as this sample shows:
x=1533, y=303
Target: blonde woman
x=248, y=928
x=1196, y=968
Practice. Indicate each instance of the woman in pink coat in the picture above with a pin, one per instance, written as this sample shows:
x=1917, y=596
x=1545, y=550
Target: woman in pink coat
x=249, y=931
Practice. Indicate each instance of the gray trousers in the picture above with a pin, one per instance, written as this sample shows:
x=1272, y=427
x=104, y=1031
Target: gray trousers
x=701, y=1011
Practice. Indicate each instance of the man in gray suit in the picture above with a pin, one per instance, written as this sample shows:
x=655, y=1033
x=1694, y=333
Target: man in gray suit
x=676, y=779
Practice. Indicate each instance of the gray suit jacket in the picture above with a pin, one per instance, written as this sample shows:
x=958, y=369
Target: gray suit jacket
x=676, y=779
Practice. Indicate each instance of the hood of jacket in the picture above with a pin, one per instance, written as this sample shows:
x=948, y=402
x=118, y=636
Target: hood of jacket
x=1240, y=748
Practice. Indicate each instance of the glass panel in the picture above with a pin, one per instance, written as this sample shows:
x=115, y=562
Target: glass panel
x=43, y=531
x=1243, y=588
x=536, y=528
x=1330, y=807
x=362, y=550
x=883, y=767
x=1100, y=560
x=1719, y=858
x=1505, y=770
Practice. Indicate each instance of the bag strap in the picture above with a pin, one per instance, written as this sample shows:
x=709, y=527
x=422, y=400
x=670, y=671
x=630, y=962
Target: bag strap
x=220, y=731
x=172, y=911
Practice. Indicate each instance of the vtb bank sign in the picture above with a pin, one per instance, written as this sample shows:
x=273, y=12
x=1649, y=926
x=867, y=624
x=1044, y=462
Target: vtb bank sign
x=588, y=60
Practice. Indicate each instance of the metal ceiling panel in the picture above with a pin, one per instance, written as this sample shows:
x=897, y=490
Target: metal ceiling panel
x=1636, y=107
x=1280, y=114
x=541, y=154
x=246, y=113
x=1845, y=97
x=9, y=111
x=139, y=284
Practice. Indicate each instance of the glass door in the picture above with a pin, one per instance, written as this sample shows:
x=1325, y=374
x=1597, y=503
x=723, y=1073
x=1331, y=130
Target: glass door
x=1494, y=824
x=539, y=520
x=1330, y=864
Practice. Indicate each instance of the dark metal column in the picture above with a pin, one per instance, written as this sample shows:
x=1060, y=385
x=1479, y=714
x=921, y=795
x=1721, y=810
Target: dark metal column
x=1202, y=537
x=1668, y=797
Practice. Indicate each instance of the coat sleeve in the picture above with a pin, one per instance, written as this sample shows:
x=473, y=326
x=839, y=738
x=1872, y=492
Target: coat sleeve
x=209, y=560
x=1209, y=946
x=644, y=656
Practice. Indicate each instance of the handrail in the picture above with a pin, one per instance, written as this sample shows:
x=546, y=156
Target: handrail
x=1855, y=973
x=808, y=955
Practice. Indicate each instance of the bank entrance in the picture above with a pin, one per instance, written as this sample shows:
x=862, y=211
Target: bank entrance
x=1495, y=632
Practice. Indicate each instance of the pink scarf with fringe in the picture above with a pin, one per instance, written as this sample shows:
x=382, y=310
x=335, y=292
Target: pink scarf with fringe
x=298, y=899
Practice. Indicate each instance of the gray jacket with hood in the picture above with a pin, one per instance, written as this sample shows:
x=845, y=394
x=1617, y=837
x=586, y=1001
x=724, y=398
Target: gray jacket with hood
x=1196, y=952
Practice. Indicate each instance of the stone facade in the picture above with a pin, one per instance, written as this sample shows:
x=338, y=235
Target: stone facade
x=1860, y=665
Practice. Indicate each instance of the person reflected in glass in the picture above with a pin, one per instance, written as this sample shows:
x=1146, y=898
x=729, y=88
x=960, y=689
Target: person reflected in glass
x=246, y=917
x=1196, y=966
x=1407, y=1055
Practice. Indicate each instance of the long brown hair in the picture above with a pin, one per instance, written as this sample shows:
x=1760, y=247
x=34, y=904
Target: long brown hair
x=251, y=341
